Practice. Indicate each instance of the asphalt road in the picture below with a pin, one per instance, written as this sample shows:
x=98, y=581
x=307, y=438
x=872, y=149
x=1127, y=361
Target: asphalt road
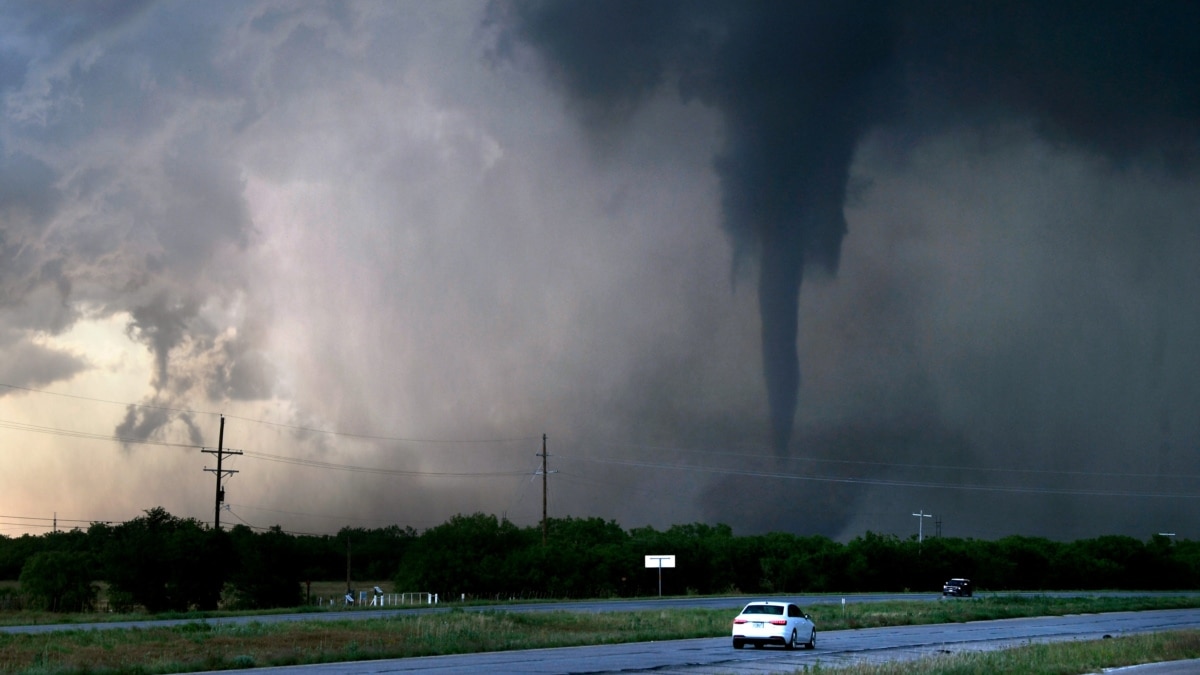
x=716, y=655
x=627, y=605
x=631, y=605
x=713, y=656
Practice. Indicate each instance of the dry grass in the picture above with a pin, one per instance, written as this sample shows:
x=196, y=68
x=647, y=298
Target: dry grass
x=202, y=646
x=208, y=646
x=1059, y=658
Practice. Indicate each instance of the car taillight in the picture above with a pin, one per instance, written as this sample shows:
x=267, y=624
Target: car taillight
x=778, y=622
x=738, y=621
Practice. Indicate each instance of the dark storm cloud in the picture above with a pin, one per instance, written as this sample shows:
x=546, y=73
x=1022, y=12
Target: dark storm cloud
x=25, y=364
x=345, y=216
x=800, y=84
x=28, y=198
x=162, y=324
x=1116, y=76
x=117, y=188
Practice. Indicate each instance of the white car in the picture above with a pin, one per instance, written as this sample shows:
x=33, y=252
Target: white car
x=768, y=622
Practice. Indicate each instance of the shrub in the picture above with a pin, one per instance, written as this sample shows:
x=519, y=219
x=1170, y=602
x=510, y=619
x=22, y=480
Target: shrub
x=59, y=581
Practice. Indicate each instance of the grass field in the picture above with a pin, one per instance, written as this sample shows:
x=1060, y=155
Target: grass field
x=203, y=646
x=1060, y=658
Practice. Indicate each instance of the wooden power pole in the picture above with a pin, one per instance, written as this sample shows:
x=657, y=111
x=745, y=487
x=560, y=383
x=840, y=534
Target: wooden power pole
x=220, y=472
x=545, y=487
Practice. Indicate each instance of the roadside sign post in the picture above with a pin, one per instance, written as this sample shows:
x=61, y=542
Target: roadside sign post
x=660, y=561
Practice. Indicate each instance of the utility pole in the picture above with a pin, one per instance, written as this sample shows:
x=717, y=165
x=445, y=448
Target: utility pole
x=545, y=487
x=921, y=527
x=220, y=452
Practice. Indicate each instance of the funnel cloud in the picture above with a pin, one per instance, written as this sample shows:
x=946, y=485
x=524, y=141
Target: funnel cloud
x=799, y=85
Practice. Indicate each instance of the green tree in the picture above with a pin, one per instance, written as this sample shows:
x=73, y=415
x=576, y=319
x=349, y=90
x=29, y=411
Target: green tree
x=14, y=551
x=59, y=581
x=473, y=555
x=376, y=553
x=813, y=565
x=880, y=562
x=585, y=557
x=267, y=573
x=165, y=563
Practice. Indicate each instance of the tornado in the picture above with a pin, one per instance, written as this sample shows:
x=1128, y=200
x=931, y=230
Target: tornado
x=796, y=85
x=799, y=84
x=778, y=303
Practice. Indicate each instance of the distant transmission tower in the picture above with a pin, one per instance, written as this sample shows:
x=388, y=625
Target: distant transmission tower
x=220, y=472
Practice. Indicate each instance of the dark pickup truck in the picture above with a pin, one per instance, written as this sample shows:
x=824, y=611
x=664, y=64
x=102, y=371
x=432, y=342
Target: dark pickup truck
x=958, y=587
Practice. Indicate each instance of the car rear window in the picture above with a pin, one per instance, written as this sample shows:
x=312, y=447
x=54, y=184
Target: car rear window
x=763, y=609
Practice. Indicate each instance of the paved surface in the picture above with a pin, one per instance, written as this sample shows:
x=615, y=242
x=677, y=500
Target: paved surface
x=1166, y=668
x=732, y=603
x=713, y=656
x=716, y=656
x=632, y=605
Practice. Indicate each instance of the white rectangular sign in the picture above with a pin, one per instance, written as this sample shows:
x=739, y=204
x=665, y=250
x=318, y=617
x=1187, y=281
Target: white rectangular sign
x=660, y=561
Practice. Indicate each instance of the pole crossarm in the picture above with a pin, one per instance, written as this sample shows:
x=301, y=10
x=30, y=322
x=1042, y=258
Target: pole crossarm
x=220, y=472
x=921, y=516
x=226, y=452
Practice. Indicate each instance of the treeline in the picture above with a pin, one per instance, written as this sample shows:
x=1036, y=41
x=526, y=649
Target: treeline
x=159, y=562
x=480, y=556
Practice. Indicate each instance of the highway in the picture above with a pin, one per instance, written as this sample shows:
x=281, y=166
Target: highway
x=715, y=656
x=710, y=656
x=624, y=605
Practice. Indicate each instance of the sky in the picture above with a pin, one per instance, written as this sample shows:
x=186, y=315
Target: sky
x=809, y=267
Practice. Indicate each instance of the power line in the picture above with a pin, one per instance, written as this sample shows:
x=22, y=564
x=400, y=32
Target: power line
x=47, y=523
x=292, y=427
x=311, y=463
x=68, y=433
x=888, y=482
x=61, y=520
x=104, y=400
x=397, y=439
x=269, y=528
x=20, y=426
x=742, y=454
x=317, y=464
x=387, y=520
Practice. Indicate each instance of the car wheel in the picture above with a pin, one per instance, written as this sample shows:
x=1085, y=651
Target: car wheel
x=812, y=640
x=738, y=644
x=791, y=643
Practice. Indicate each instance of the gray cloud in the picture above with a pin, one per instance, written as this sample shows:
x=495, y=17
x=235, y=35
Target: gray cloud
x=357, y=217
x=136, y=230
x=26, y=364
x=799, y=85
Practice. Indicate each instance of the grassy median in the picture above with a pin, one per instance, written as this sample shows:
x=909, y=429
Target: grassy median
x=212, y=646
x=1057, y=658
